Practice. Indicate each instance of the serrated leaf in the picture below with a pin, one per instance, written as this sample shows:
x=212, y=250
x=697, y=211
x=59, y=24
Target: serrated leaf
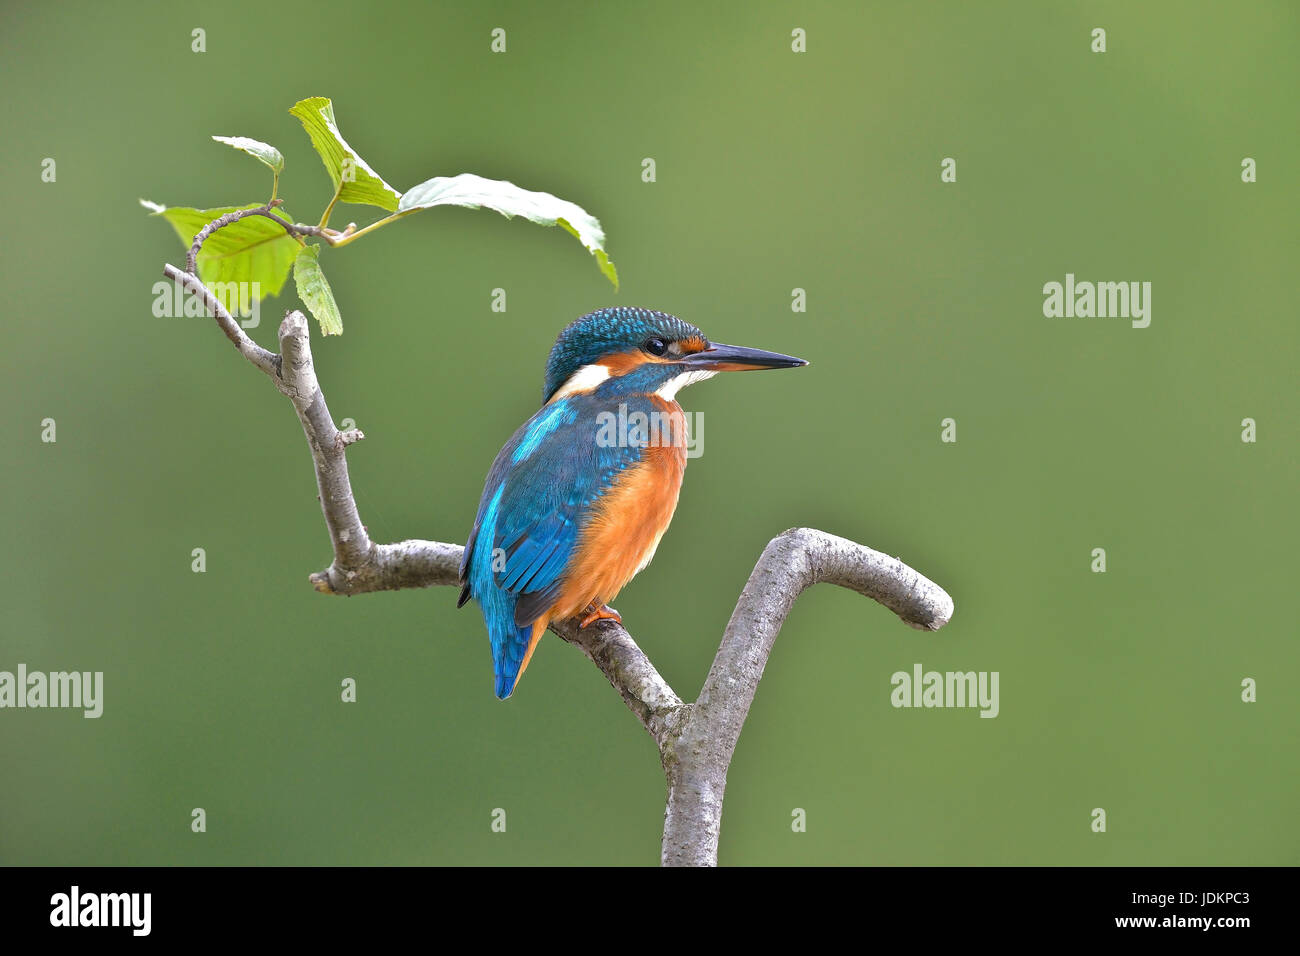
x=510, y=200
x=368, y=187
x=315, y=292
x=255, y=251
x=257, y=149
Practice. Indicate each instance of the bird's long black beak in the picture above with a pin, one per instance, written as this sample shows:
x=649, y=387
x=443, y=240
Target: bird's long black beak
x=737, y=358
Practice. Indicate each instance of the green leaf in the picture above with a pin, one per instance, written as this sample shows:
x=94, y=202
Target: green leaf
x=257, y=149
x=366, y=187
x=509, y=200
x=255, y=251
x=314, y=290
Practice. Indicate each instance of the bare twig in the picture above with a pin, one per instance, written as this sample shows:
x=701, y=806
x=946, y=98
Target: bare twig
x=268, y=362
x=297, y=380
x=191, y=261
x=611, y=648
x=696, y=741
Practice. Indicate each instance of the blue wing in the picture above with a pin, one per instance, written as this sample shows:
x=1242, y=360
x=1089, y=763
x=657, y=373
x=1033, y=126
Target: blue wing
x=537, y=497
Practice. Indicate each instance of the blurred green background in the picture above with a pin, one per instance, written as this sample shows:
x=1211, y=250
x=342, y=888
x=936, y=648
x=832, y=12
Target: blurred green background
x=776, y=170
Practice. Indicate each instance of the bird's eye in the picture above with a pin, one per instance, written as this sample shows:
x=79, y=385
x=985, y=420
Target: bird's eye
x=655, y=346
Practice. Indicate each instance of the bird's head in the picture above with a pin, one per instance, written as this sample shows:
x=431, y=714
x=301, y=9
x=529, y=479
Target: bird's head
x=639, y=350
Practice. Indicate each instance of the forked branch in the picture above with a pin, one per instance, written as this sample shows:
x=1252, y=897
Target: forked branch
x=696, y=741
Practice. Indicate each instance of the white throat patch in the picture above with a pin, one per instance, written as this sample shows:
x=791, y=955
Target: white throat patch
x=669, y=389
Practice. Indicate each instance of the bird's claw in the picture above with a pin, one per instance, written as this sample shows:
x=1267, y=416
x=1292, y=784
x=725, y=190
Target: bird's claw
x=602, y=613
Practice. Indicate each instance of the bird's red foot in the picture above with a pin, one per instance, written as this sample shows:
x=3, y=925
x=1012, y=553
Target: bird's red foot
x=602, y=613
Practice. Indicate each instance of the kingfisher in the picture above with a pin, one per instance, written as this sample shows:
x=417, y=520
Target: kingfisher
x=580, y=496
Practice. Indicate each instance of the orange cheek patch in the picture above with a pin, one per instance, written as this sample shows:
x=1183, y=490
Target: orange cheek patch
x=620, y=363
x=693, y=344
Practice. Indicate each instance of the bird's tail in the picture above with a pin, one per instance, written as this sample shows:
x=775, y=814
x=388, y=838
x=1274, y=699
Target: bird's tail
x=512, y=649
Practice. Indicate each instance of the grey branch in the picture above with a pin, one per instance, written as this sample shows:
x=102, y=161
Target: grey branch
x=697, y=761
x=696, y=740
x=268, y=362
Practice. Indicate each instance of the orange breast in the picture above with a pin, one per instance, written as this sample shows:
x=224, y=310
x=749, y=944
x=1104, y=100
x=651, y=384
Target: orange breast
x=629, y=519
